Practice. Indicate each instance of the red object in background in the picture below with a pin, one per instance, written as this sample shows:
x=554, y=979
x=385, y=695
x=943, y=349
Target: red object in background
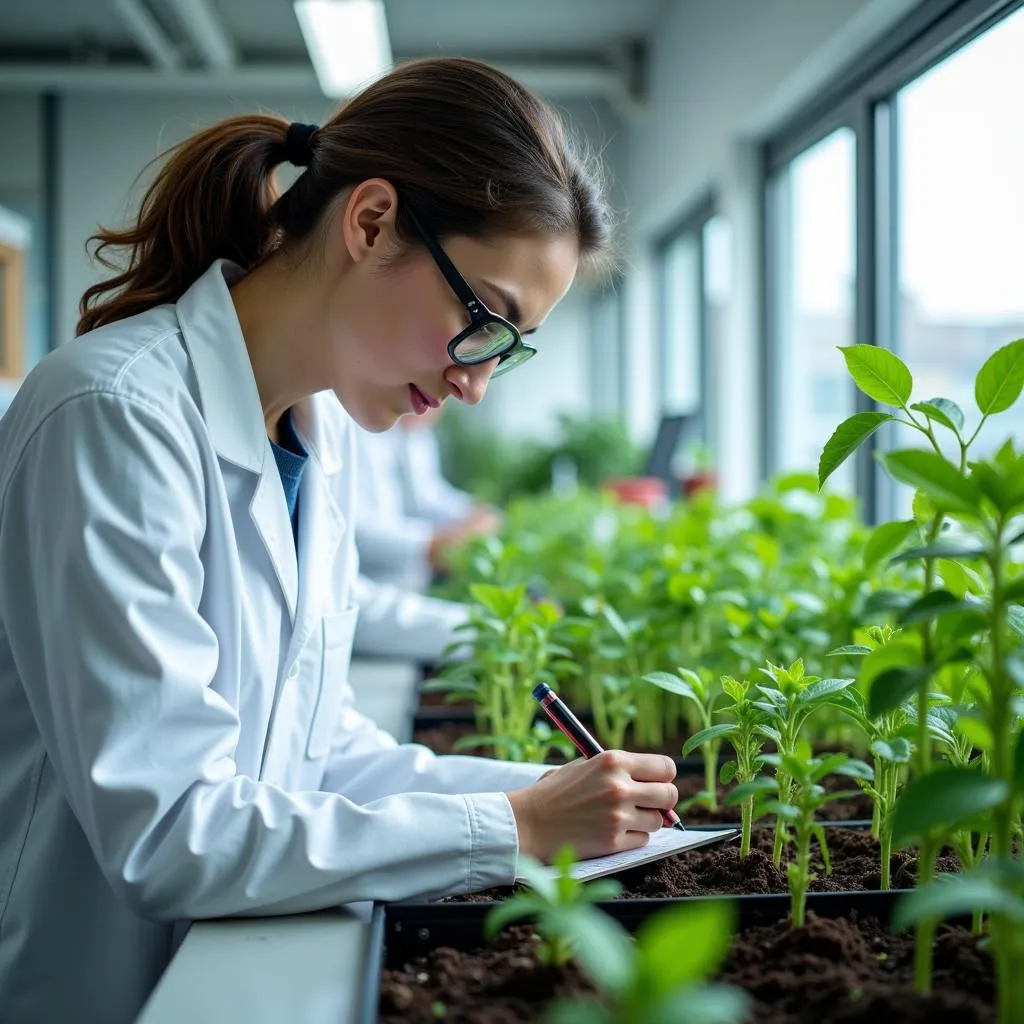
x=647, y=491
x=692, y=485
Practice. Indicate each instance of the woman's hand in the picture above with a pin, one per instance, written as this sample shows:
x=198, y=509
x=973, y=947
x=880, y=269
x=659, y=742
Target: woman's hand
x=605, y=804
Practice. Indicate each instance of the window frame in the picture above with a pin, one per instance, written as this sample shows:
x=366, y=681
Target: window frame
x=862, y=98
x=691, y=224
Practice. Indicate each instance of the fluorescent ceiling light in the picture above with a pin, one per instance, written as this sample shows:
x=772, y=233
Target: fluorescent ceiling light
x=347, y=42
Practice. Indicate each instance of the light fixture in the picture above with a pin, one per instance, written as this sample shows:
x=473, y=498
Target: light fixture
x=347, y=42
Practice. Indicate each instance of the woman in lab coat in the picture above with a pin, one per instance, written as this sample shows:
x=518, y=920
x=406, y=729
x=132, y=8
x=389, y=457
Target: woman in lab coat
x=177, y=571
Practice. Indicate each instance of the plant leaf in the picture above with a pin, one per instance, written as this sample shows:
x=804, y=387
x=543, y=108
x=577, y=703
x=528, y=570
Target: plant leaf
x=944, y=411
x=703, y=1004
x=601, y=945
x=846, y=439
x=896, y=654
x=953, y=895
x=762, y=784
x=936, y=476
x=667, y=681
x=896, y=749
x=683, y=945
x=515, y=908
x=893, y=686
x=850, y=650
x=820, y=691
x=714, y=732
x=945, y=797
x=934, y=604
x=999, y=381
x=727, y=772
x=577, y=1011
x=1018, y=764
x=886, y=538
x=879, y=373
x=940, y=549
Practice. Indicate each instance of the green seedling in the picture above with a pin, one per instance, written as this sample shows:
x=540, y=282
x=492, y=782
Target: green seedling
x=703, y=695
x=891, y=749
x=805, y=797
x=662, y=975
x=562, y=910
x=790, y=699
x=511, y=649
x=542, y=743
x=742, y=732
x=970, y=513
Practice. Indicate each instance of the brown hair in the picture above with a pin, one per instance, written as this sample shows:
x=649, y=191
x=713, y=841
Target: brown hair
x=470, y=149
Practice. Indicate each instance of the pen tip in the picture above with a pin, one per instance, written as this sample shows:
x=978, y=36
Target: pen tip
x=679, y=825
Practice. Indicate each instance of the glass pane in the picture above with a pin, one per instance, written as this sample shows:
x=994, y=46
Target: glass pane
x=961, y=220
x=681, y=384
x=813, y=205
x=606, y=385
x=717, y=239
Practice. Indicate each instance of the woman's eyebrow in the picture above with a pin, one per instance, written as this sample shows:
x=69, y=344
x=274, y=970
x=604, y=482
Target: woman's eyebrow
x=513, y=311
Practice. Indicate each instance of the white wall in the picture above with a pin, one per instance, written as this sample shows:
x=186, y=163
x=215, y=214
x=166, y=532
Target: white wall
x=722, y=76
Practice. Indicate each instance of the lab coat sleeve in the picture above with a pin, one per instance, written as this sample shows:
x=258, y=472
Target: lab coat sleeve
x=403, y=624
x=433, y=497
x=105, y=518
x=366, y=763
x=394, y=546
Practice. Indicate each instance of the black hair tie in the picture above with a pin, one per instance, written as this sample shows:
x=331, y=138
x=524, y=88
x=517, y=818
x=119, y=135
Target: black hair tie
x=298, y=143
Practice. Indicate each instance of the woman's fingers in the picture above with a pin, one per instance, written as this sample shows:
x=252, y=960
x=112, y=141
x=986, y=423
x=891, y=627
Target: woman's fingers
x=644, y=819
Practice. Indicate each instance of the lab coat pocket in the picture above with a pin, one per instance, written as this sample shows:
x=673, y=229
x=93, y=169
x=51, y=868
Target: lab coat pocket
x=338, y=632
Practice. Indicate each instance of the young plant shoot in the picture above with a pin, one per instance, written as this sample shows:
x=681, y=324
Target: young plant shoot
x=804, y=798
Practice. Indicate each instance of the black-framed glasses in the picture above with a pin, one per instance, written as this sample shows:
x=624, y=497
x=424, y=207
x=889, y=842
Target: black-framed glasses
x=488, y=335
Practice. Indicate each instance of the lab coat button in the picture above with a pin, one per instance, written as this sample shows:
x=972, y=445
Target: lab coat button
x=293, y=672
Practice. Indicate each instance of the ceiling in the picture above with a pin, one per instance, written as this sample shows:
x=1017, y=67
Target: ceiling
x=564, y=47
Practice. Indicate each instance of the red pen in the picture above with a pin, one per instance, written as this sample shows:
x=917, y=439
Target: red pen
x=571, y=726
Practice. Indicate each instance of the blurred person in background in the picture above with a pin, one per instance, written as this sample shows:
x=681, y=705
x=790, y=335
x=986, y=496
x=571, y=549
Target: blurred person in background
x=409, y=516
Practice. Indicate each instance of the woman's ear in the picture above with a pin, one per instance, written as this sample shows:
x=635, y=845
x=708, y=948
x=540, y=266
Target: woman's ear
x=368, y=220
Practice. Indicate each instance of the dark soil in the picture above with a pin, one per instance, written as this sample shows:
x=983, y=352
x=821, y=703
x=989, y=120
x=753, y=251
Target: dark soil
x=843, y=971
x=441, y=739
x=718, y=869
x=856, y=808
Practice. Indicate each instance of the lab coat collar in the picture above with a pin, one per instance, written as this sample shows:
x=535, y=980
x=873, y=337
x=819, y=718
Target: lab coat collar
x=227, y=387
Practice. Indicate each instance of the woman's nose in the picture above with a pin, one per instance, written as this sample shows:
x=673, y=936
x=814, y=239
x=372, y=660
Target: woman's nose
x=469, y=383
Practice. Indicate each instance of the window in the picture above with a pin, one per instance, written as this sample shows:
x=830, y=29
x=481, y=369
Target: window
x=717, y=279
x=960, y=147
x=681, y=389
x=811, y=263
x=607, y=386
x=694, y=281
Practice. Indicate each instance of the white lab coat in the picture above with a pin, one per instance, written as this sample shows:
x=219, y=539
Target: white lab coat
x=177, y=736
x=402, y=499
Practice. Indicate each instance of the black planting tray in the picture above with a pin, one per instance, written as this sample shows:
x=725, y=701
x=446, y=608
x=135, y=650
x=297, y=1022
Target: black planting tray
x=400, y=932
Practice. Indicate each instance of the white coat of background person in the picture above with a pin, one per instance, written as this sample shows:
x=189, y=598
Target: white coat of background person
x=408, y=515
x=177, y=737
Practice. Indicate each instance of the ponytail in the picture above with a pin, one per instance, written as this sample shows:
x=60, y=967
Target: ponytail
x=472, y=151
x=211, y=199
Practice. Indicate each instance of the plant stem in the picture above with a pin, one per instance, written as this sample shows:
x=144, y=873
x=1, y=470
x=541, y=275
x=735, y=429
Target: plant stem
x=710, y=752
x=785, y=789
x=924, y=936
x=886, y=843
x=747, y=820
x=925, y=931
x=798, y=876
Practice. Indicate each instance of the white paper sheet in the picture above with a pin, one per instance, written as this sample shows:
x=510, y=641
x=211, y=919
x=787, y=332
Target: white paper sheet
x=663, y=844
